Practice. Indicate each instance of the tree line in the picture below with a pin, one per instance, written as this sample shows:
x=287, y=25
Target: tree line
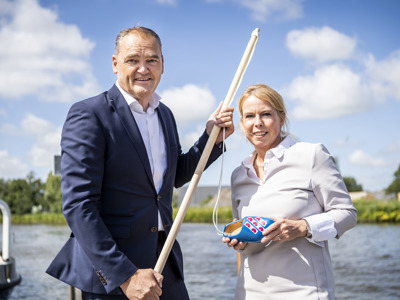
x=31, y=195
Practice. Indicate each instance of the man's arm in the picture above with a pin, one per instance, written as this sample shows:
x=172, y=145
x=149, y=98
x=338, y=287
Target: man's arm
x=82, y=167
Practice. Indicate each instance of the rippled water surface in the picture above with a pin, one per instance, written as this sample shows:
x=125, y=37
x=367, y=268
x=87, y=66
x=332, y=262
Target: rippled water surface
x=366, y=262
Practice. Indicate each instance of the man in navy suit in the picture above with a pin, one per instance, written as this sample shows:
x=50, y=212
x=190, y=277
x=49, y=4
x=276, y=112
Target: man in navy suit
x=121, y=158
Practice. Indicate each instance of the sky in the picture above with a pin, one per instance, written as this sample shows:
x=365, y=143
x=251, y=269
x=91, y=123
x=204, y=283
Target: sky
x=336, y=64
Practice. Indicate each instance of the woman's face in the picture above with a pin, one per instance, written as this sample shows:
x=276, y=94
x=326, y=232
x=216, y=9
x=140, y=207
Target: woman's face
x=261, y=124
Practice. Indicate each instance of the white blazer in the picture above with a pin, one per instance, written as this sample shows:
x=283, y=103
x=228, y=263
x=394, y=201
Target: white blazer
x=301, y=180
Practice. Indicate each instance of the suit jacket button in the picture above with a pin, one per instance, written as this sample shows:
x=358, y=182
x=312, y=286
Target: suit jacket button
x=153, y=229
x=158, y=197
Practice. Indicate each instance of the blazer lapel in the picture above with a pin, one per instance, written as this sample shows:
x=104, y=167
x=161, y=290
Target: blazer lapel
x=122, y=109
x=163, y=117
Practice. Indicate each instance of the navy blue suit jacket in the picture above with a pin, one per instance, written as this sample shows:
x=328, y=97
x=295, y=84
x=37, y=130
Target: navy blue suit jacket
x=109, y=198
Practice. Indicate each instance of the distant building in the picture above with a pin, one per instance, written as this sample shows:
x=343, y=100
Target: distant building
x=57, y=165
x=201, y=193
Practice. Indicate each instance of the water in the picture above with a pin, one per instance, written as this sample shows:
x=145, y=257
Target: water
x=366, y=262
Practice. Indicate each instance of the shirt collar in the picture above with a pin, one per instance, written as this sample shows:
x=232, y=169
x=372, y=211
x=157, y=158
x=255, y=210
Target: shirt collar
x=135, y=105
x=278, y=151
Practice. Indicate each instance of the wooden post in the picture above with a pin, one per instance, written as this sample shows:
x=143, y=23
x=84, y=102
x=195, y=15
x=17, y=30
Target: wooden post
x=74, y=293
x=205, y=155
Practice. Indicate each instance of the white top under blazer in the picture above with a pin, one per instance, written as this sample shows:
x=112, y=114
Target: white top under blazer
x=301, y=180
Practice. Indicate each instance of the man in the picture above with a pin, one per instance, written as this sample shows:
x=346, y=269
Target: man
x=120, y=160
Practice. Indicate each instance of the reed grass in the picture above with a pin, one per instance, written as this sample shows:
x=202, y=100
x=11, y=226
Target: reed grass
x=373, y=211
x=204, y=214
x=44, y=218
x=369, y=211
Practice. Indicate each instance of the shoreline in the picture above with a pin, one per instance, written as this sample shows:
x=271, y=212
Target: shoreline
x=369, y=212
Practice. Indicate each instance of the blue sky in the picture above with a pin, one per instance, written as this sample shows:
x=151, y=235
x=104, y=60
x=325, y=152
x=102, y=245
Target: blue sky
x=336, y=63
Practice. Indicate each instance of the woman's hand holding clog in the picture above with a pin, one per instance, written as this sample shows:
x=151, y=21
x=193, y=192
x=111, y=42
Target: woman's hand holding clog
x=234, y=243
x=284, y=230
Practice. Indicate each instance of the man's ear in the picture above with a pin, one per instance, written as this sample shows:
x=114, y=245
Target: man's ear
x=114, y=64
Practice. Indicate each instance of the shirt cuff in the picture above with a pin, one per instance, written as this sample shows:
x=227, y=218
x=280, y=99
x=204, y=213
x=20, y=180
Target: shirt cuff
x=322, y=227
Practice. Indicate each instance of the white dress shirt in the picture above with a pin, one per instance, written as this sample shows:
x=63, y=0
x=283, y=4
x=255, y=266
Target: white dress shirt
x=153, y=137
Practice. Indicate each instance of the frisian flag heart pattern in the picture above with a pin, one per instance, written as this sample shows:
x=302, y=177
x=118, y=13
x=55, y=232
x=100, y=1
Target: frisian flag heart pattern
x=255, y=224
x=252, y=228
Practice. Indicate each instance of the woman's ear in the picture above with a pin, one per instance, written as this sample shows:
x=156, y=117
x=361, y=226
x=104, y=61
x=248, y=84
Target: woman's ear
x=283, y=118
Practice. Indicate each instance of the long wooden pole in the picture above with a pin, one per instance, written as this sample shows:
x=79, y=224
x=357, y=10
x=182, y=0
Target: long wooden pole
x=205, y=155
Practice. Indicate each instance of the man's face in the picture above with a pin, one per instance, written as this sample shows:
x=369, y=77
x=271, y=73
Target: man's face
x=139, y=65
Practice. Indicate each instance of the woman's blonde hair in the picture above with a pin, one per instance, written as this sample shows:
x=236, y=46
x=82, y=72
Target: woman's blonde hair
x=267, y=94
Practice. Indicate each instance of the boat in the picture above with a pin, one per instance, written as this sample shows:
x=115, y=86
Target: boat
x=9, y=277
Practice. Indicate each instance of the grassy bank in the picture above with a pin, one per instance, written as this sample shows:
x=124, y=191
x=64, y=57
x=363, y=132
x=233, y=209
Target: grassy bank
x=45, y=218
x=369, y=211
x=372, y=211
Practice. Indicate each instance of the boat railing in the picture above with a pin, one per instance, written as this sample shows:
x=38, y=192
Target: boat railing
x=6, y=230
x=9, y=277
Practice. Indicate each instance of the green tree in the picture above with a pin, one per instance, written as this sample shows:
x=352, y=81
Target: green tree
x=3, y=189
x=352, y=185
x=394, y=187
x=22, y=194
x=37, y=188
x=52, y=195
x=18, y=197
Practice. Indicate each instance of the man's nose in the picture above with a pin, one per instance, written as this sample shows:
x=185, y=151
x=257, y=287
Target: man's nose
x=142, y=68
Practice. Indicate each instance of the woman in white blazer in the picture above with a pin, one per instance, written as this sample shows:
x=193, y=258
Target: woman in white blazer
x=299, y=186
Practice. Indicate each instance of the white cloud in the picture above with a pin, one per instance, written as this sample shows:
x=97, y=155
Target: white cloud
x=320, y=44
x=346, y=141
x=46, y=140
x=341, y=141
x=335, y=90
x=385, y=76
x=190, y=103
x=362, y=159
x=42, y=56
x=332, y=91
x=11, y=167
x=393, y=147
x=34, y=125
x=190, y=138
x=168, y=2
x=261, y=10
x=9, y=129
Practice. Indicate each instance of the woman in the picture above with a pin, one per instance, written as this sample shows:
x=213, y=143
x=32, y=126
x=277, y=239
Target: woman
x=298, y=186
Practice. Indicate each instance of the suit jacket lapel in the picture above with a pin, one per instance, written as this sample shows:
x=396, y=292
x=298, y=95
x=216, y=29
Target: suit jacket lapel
x=163, y=117
x=122, y=109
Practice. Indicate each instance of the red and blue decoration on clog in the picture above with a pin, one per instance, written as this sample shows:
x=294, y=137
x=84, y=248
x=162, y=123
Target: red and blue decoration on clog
x=247, y=229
